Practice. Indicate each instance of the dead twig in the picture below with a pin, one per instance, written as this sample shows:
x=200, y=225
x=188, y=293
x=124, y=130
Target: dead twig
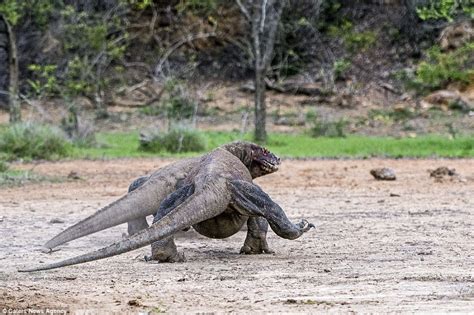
x=175, y=46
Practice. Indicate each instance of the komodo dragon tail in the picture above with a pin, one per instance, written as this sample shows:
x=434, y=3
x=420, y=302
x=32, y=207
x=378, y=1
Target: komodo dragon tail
x=198, y=207
x=141, y=202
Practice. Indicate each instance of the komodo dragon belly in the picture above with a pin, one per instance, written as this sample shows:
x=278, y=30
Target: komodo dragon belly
x=224, y=225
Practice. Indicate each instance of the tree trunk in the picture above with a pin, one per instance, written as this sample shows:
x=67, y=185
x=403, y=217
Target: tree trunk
x=4, y=77
x=260, y=108
x=13, y=101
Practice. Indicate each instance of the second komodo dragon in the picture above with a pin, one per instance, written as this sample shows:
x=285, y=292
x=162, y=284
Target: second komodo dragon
x=213, y=193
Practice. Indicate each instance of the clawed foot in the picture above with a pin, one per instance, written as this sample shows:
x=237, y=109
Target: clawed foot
x=47, y=250
x=247, y=250
x=256, y=245
x=178, y=257
x=305, y=226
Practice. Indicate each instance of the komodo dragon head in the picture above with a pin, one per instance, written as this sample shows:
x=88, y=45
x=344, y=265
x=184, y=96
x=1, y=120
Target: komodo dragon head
x=257, y=159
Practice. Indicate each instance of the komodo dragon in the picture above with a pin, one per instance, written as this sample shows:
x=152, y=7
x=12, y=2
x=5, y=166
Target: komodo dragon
x=214, y=194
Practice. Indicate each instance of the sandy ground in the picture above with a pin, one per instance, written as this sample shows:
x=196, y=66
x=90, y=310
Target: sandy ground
x=399, y=246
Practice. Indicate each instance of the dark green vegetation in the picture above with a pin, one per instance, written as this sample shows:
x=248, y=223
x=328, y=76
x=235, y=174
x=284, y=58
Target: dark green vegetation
x=177, y=140
x=32, y=142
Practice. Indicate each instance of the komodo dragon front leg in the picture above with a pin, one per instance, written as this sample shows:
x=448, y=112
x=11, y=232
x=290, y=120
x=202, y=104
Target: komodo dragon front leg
x=251, y=200
x=256, y=240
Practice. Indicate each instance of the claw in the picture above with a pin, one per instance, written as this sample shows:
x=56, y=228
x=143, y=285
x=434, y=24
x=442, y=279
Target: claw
x=305, y=226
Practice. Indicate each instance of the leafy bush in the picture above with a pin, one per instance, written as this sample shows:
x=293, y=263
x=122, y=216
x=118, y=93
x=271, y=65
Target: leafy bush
x=177, y=104
x=340, y=68
x=445, y=9
x=353, y=40
x=174, y=141
x=3, y=166
x=33, y=141
x=441, y=68
x=326, y=128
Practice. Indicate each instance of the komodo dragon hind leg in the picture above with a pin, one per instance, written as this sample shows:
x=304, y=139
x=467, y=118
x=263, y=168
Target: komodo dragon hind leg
x=135, y=226
x=256, y=240
x=165, y=250
x=251, y=200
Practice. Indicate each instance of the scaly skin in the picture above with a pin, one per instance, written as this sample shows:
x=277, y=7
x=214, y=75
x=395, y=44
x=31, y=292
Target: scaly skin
x=216, y=197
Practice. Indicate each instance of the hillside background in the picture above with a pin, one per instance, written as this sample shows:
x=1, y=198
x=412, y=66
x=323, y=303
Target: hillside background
x=389, y=67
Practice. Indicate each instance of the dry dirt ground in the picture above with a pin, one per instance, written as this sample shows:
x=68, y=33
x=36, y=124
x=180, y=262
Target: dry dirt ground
x=401, y=246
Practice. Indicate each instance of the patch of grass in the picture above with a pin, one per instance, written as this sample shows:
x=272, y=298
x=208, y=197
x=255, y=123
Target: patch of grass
x=399, y=114
x=332, y=129
x=12, y=178
x=174, y=141
x=325, y=128
x=121, y=145
x=33, y=141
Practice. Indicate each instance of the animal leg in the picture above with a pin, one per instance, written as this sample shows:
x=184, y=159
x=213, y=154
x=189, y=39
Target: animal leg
x=256, y=240
x=251, y=200
x=165, y=249
x=135, y=226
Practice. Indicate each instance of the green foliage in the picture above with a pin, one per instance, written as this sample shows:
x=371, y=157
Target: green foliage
x=92, y=43
x=177, y=103
x=176, y=140
x=12, y=10
x=399, y=114
x=354, y=41
x=197, y=6
x=360, y=41
x=33, y=141
x=39, y=11
x=445, y=9
x=326, y=128
x=77, y=81
x=45, y=82
x=440, y=69
x=180, y=105
x=3, y=166
x=140, y=4
x=340, y=67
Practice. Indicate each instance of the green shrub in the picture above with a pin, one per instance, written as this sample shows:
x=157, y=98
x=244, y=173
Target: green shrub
x=327, y=128
x=340, y=67
x=174, y=141
x=3, y=166
x=33, y=141
x=440, y=68
x=353, y=40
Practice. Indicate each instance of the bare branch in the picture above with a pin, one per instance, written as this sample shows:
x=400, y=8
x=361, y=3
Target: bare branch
x=244, y=10
x=263, y=17
x=178, y=44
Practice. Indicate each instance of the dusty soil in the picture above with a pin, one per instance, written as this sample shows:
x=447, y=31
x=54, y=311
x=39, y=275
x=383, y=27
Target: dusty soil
x=400, y=246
